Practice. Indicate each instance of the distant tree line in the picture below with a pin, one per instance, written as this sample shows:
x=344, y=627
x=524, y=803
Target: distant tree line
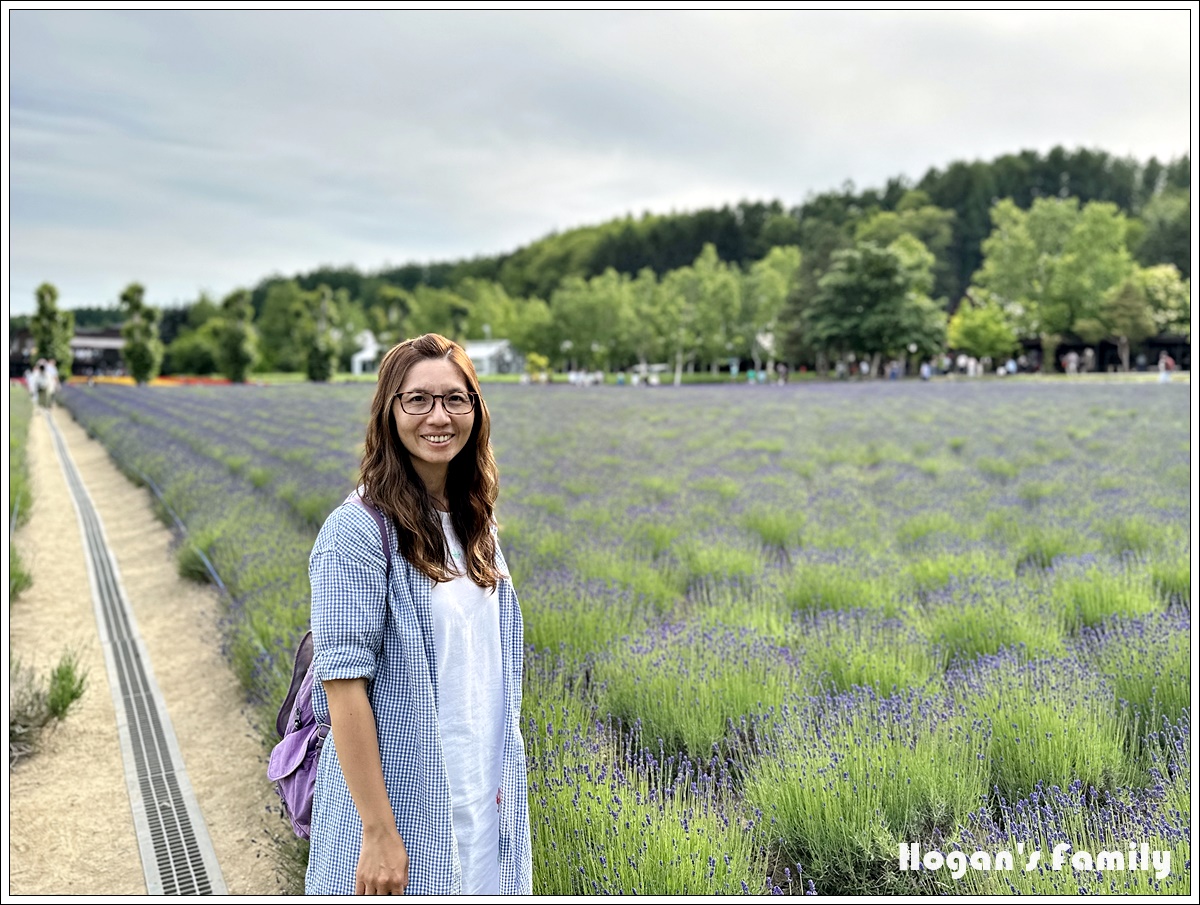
x=1075, y=244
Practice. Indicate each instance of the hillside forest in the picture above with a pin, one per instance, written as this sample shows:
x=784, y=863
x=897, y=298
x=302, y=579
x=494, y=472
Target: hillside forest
x=979, y=257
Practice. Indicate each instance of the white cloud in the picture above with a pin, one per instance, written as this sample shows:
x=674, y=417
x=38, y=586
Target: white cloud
x=211, y=148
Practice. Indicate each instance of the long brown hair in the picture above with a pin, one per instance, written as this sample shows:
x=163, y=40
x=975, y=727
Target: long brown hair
x=392, y=484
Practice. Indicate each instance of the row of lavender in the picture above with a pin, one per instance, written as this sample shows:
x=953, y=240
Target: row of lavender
x=777, y=625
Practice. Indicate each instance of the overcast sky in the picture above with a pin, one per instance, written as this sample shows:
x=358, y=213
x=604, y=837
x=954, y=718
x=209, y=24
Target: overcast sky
x=206, y=150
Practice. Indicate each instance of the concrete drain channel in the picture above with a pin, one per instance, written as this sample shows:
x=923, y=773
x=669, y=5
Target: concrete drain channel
x=177, y=854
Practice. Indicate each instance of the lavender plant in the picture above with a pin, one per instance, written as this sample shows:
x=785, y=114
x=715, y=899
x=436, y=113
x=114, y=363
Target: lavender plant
x=953, y=591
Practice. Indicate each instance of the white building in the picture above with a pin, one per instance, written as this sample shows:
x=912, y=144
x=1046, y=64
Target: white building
x=493, y=356
x=367, y=354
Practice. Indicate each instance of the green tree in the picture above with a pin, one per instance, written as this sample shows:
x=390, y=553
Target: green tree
x=194, y=351
x=583, y=312
x=533, y=329
x=143, y=348
x=388, y=317
x=438, y=311
x=983, y=330
x=536, y=364
x=1123, y=315
x=1169, y=297
x=914, y=216
x=678, y=301
x=319, y=361
x=285, y=326
x=236, y=338
x=765, y=289
x=872, y=302
x=718, y=310
x=647, y=335
x=1167, y=238
x=1151, y=300
x=1052, y=265
x=202, y=311
x=1095, y=259
x=52, y=329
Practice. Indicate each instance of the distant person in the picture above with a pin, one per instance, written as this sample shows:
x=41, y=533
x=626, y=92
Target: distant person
x=31, y=384
x=1166, y=364
x=421, y=784
x=1140, y=362
x=782, y=370
x=41, y=378
x=52, y=381
x=926, y=370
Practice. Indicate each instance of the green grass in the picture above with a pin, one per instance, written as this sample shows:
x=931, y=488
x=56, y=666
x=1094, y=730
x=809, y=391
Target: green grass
x=1051, y=721
x=35, y=701
x=1038, y=547
x=1147, y=663
x=778, y=529
x=926, y=526
x=592, y=833
x=725, y=488
x=686, y=691
x=1172, y=576
x=67, y=684
x=998, y=468
x=813, y=587
x=20, y=497
x=1132, y=534
x=576, y=618
x=862, y=650
x=844, y=783
x=19, y=578
x=1088, y=597
x=931, y=571
x=707, y=563
x=978, y=617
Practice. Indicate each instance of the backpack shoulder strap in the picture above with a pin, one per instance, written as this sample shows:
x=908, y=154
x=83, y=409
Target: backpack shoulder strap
x=378, y=516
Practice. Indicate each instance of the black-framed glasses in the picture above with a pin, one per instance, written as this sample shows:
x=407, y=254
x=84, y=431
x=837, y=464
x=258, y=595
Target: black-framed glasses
x=422, y=403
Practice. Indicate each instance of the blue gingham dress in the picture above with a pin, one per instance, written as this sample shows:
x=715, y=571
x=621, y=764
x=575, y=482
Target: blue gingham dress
x=364, y=626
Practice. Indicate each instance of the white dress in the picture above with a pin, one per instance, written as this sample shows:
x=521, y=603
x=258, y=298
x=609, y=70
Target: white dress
x=466, y=622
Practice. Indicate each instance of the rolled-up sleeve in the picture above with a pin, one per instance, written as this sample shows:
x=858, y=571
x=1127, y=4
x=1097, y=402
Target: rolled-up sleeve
x=348, y=574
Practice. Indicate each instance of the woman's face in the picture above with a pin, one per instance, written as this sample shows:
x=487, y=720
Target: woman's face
x=436, y=437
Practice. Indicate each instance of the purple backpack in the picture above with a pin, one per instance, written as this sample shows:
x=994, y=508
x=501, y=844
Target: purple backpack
x=293, y=763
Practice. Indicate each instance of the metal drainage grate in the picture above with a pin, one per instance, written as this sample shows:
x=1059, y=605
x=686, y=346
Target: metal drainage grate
x=177, y=854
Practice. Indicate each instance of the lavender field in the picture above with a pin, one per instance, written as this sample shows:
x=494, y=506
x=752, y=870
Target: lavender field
x=777, y=633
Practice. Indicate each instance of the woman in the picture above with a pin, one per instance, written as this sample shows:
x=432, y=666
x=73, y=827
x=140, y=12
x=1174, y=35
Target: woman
x=421, y=785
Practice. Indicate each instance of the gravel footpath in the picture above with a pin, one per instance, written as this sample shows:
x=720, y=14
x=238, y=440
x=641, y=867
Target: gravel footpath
x=71, y=830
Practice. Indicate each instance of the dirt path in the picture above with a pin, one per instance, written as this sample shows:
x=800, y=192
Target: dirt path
x=71, y=830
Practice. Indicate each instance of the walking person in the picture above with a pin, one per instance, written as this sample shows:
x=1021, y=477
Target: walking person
x=41, y=380
x=51, y=382
x=31, y=383
x=421, y=785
